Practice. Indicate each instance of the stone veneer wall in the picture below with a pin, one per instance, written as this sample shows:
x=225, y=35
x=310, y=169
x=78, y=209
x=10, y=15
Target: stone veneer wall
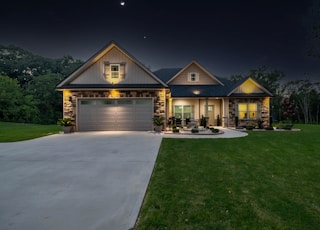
x=70, y=100
x=264, y=114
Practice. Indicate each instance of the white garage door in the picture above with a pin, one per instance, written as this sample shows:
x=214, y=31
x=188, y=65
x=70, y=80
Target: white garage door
x=115, y=114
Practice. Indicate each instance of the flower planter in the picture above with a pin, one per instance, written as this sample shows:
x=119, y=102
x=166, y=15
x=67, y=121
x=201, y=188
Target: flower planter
x=158, y=128
x=67, y=129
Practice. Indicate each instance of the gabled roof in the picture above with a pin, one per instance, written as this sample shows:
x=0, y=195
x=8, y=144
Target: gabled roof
x=239, y=83
x=200, y=67
x=66, y=82
x=112, y=86
x=167, y=73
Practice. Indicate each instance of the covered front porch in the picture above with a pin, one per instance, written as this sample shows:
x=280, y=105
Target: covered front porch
x=190, y=111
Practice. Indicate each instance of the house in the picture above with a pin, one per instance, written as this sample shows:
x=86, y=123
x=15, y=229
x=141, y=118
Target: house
x=114, y=91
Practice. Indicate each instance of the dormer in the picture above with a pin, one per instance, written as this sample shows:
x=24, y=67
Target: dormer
x=194, y=74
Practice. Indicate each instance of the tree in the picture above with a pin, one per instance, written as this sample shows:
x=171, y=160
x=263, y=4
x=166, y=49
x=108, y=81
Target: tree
x=306, y=95
x=237, y=77
x=11, y=97
x=268, y=78
x=47, y=99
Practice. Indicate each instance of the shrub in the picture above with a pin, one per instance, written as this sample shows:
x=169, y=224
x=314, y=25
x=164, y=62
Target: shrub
x=195, y=130
x=175, y=130
x=268, y=128
x=249, y=127
x=214, y=130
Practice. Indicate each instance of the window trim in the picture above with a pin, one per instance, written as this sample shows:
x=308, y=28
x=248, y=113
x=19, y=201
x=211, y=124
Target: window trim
x=117, y=72
x=182, y=107
x=113, y=76
x=193, y=77
x=247, y=112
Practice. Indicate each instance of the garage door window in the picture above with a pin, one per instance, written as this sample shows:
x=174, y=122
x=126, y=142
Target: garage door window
x=108, y=102
x=125, y=102
x=143, y=102
x=87, y=102
x=97, y=102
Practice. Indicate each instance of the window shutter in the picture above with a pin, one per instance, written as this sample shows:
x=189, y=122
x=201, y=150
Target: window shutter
x=122, y=70
x=107, y=70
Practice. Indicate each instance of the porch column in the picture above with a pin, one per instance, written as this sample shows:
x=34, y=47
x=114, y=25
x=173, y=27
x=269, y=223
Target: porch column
x=206, y=109
x=225, y=117
x=199, y=110
x=170, y=108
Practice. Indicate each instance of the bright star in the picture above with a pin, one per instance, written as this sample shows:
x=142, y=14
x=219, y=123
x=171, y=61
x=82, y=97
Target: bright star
x=122, y=3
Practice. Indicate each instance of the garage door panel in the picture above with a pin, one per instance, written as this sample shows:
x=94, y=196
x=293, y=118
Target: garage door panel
x=115, y=114
x=125, y=127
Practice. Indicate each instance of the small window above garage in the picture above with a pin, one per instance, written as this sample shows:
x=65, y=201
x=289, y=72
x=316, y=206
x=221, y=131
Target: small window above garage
x=114, y=72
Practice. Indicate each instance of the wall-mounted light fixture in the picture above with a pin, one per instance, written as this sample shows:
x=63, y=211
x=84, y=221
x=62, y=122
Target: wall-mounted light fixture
x=196, y=92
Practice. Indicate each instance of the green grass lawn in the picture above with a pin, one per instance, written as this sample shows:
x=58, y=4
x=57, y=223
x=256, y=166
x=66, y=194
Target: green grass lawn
x=267, y=180
x=10, y=132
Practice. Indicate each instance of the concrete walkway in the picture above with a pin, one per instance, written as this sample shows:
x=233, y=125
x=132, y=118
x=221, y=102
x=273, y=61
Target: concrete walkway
x=82, y=181
x=227, y=133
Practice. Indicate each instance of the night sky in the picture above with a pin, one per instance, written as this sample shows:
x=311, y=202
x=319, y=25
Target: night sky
x=227, y=37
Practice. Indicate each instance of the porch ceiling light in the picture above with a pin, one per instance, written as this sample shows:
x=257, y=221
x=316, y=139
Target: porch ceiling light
x=196, y=92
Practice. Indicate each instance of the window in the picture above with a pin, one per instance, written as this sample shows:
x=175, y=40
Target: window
x=115, y=71
x=193, y=77
x=183, y=111
x=248, y=110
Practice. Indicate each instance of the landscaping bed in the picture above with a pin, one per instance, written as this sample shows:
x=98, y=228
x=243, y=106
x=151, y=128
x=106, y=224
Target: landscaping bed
x=195, y=131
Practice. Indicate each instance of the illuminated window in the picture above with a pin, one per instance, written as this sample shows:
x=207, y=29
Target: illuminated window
x=248, y=110
x=193, y=77
x=183, y=111
x=115, y=71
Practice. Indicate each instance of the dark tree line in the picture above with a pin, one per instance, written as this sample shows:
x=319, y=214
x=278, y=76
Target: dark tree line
x=27, y=89
x=27, y=85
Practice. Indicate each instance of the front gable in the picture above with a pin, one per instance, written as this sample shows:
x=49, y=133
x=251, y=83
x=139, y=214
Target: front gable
x=111, y=66
x=194, y=74
x=249, y=87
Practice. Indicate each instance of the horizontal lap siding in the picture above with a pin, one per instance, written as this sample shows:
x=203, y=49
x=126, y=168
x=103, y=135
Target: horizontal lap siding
x=98, y=116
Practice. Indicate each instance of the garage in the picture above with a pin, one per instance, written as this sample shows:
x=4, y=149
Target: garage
x=124, y=114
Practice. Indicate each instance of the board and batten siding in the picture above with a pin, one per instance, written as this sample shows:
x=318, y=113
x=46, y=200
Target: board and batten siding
x=204, y=78
x=134, y=74
x=248, y=87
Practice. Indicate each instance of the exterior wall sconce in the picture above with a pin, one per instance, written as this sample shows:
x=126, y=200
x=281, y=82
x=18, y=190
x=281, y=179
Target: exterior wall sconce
x=196, y=92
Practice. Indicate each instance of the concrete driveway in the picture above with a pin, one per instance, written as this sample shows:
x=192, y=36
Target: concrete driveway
x=92, y=180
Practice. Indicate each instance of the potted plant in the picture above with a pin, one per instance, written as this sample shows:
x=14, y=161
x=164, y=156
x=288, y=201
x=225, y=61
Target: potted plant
x=66, y=124
x=260, y=123
x=195, y=130
x=237, y=121
x=158, y=123
x=249, y=127
x=175, y=129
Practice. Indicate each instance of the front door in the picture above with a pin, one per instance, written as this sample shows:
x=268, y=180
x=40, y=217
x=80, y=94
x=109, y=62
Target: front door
x=211, y=115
